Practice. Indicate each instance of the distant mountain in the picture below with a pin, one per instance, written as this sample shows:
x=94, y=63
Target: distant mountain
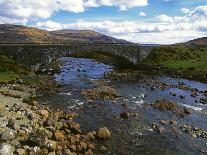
x=23, y=34
x=199, y=41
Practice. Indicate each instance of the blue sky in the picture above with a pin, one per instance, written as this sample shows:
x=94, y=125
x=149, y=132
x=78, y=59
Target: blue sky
x=141, y=21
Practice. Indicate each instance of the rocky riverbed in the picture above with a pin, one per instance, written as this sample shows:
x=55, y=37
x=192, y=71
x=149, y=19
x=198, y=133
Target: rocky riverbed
x=145, y=115
x=27, y=127
x=101, y=111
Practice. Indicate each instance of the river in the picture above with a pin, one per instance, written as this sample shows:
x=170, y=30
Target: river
x=133, y=135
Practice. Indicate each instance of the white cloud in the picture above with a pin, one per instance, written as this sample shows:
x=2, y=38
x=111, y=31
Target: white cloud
x=42, y=9
x=164, y=18
x=122, y=4
x=142, y=14
x=185, y=10
x=139, y=32
x=50, y=25
x=164, y=29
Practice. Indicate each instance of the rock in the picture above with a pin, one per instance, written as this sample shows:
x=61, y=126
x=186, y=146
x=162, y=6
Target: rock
x=163, y=122
x=51, y=145
x=104, y=133
x=194, y=131
x=91, y=146
x=89, y=152
x=174, y=130
x=57, y=115
x=40, y=136
x=152, y=88
x=172, y=122
x=8, y=135
x=15, y=142
x=182, y=97
x=21, y=151
x=173, y=93
x=194, y=135
x=125, y=115
x=6, y=149
x=44, y=113
x=103, y=148
x=205, y=92
x=67, y=152
x=75, y=127
x=58, y=125
x=34, y=103
x=157, y=128
x=73, y=148
x=203, y=100
x=31, y=116
x=124, y=104
x=101, y=92
x=71, y=115
x=90, y=136
x=187, y=110
x=35, y=151
x=84, y=145
x=59, y=136
x=164, y=105
x=51, y=153
x=11, y=123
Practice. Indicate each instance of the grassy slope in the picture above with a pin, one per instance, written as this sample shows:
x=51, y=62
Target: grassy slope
x=187, y=61
x=11, y=70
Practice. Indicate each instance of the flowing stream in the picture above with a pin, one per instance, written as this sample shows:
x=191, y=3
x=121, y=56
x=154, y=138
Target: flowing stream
x=133, y=135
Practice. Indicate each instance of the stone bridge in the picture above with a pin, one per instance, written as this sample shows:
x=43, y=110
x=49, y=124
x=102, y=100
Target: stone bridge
x=33, y=54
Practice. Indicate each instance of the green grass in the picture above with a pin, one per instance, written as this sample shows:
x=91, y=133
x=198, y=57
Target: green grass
x=11, y=70
x=189, y=61
x=8, y=76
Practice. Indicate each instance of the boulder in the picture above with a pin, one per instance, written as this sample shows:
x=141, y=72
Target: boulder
x=104, y=133
x=44, y=113
x=51, y=145
x=187, y=110
x=89, y=152
x=75, y=127
x=125, y=115
x=40, y=136
x=6, y=149
x=164, y=105
x=8, y=135
x=59, y=136
x=21, y=151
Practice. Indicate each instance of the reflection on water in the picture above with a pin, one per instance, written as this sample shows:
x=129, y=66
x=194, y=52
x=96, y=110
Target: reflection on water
x=134, y=135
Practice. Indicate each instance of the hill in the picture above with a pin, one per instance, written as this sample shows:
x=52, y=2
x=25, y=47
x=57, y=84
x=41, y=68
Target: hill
x=199, y=42
x=23, y=34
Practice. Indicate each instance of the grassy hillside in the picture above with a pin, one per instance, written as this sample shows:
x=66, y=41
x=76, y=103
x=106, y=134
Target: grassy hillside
x=11, y=70
x=187, y=61
x=23, y=34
